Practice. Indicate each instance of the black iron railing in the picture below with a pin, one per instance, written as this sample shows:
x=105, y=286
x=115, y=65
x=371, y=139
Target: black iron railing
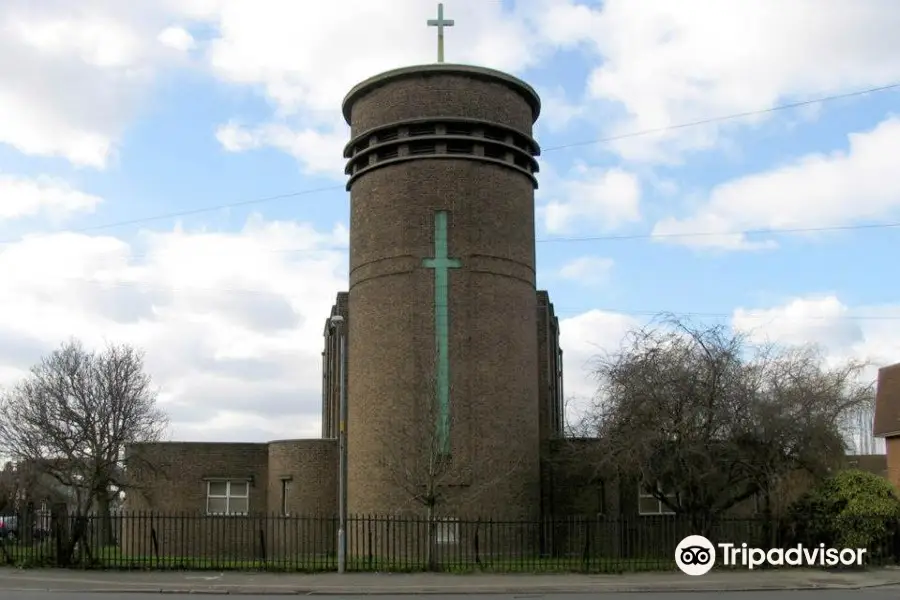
x=378, y=543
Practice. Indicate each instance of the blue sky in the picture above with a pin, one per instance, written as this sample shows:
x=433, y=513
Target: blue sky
x=156, y=108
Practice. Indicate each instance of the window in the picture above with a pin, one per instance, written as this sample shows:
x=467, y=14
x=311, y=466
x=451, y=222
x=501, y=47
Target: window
x=458, y=147
x=447, y=531
x=497, y=152
x=459, y=129
x=387, y=136
x=495, y=134
x=422, y=148
x=285, y=492
x=387, y=153
x=227, y=497
x=648, y=504
x=423, y=129
x=522, y=162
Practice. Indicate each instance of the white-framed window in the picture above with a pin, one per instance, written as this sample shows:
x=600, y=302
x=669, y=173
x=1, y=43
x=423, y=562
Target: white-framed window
x=649, y=504
x=227, y=497
x=447, y=531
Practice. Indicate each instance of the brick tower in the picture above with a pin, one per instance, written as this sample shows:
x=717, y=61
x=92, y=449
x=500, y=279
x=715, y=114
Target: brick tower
x=442, y=332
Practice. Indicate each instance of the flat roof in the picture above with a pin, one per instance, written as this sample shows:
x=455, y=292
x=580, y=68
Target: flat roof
x=516, y=84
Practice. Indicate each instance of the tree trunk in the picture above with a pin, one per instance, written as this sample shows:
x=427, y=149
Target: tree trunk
x=431, y=546
x=702, y=524
x=26, y=524
x=106, y=535
x=769, y=529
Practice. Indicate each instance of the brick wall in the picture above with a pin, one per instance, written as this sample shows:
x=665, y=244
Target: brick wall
x=550, y=398
x=492, y=297
x=166, y=515
x=331, y=386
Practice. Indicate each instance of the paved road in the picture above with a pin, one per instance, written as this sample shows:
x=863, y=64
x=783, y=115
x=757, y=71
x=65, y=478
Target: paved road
x=868, y=594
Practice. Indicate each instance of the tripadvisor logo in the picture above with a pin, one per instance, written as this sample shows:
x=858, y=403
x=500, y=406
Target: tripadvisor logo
x=696, y=555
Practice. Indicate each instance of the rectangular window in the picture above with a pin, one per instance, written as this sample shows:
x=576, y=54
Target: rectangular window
x=424, y=129
x=458, y=147
x=648, y=504
x=495, y=134
x=447, y=531
x=422, y=148
x=459, y=129
x=498, y=152
x=285, y=492
x=388, y=153
x=387, y=136
x=227, y=497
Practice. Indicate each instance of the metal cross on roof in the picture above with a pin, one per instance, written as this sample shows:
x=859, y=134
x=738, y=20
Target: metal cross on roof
x=440, y=23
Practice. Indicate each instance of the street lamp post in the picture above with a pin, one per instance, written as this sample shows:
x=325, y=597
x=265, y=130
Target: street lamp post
x=337, y=323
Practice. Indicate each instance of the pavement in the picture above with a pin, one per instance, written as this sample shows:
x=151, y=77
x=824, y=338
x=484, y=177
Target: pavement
x=863, y=594
x=353, y=584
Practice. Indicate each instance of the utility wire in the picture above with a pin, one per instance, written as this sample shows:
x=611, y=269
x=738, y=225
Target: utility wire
x=645, y=132
x=607, y=238
x=723, y=118
x=560, y=310
x=773, y=231
x=187, y=213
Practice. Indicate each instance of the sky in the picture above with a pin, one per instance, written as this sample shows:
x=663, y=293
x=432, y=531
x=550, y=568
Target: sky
x=171, y=177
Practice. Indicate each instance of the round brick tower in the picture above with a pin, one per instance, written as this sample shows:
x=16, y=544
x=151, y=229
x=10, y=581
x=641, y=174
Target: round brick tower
x=443, y=364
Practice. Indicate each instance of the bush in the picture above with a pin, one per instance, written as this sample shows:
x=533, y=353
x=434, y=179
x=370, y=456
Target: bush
x=851, y=509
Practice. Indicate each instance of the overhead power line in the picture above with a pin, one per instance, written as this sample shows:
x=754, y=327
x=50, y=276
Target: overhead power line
x=763, y=314
x=723, y=118
x=773, y=231
x=603, y=238
x=645, y=132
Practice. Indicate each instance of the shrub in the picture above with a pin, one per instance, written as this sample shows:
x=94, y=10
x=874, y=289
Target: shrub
x=851, y=509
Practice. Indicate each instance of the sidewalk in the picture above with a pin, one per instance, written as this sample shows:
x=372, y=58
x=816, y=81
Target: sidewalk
x=431, y=583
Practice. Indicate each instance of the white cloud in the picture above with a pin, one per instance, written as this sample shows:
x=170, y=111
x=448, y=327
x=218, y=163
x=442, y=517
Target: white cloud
x=74, y=80
x=667, y=63
x=817, y=190
x=584, y=338
x=231, y=322
x=558, y=111
x=176, y=38
x=865, y=333
x=595, y=198
x=43, y=196
x=319, y=152
x=587, y=270
x=870, y=333
x=236, y=138
x=304, y=57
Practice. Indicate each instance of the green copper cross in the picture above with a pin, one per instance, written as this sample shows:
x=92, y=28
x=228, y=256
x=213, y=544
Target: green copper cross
x=441, y=264
x=440, y=23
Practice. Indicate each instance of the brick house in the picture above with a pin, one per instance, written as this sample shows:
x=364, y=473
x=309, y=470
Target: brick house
x=887, y=417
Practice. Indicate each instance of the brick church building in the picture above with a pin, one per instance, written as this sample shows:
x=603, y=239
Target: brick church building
x=452, y=364
x=452, y=354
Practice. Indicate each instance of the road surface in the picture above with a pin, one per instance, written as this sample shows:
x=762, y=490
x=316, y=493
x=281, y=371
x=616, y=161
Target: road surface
x=891, y=593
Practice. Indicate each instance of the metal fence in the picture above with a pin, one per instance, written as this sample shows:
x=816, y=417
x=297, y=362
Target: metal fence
x=277, y=543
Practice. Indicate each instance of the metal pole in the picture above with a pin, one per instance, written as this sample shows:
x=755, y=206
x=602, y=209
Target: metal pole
x=342, y=448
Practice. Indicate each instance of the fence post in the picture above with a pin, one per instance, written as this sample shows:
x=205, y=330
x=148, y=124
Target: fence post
x=262, y=545
x=475, y=541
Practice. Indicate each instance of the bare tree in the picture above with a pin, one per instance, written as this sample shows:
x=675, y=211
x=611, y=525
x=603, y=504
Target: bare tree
x=71, y=419
x=707, y=420
x=9, y=488
x=417, y=463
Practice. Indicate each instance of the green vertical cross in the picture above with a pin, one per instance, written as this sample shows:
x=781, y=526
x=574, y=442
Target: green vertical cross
x=441, y=264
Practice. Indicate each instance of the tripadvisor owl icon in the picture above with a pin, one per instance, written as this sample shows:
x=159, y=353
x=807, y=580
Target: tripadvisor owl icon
x=695, y=555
